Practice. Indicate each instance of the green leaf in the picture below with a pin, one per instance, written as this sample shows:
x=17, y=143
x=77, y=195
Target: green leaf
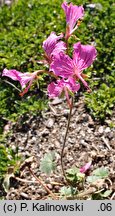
x=106, y=193
x=91, y=179
x=74, y=175
x=96, y=196
x=6, y=182
x=72, y=171
x=101, y=172
x=67, y=191
x=47, y=164
x=80, y=176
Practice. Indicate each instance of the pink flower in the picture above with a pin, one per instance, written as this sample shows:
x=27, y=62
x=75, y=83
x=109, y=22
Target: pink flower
x=73, y=13
x=66, y=86
x=83, y=57
x=85, y=167
x=23, y=78
x=51, y=46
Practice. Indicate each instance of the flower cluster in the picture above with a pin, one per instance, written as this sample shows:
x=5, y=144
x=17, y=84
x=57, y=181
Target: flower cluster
x=67, y=71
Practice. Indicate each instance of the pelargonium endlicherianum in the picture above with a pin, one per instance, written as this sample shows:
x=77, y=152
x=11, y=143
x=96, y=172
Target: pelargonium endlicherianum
x=67, y=71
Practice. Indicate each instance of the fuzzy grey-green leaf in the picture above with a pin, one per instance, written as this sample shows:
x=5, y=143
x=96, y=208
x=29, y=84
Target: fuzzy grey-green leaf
x=47, y=164
x=102, y=172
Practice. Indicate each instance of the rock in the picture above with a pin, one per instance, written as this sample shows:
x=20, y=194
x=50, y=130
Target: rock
x=57, y=188
x=85, y=118
x=56, y=101
x=90, y=122
x=82, y=142
x=50, y=123
x=92, y=6
x=44, y=132
x=50, y=186
x=111, y=135
x=107, y=130
x=82, y=133
x=57, y=144
x=33, y=140
x=7, y=127
x=54, y=131
x=41, y=192
x=8, y=2
x=66, y=112
x=101, y=130
x=89, y=131
x=71, y=140
x=24, y=195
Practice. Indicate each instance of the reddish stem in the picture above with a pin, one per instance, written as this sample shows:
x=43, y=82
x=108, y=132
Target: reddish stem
x=63, y=147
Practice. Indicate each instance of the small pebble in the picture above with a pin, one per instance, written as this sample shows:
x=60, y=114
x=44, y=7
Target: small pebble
x=107, y=130
x=50, y=123
x=100, y=130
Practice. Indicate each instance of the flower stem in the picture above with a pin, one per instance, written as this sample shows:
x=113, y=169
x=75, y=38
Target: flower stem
x=47, y=72
x=64, y=143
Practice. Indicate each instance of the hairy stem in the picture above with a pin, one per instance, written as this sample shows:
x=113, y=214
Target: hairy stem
x=65, y=137
x=47, y=72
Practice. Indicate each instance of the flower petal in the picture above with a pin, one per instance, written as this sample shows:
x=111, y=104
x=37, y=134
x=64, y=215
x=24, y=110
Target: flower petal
x=59, y=47
x=50, y=43
x=85, y=167
x=62, y=65
x=23, y=78
x=83, y=56
x=27, y=77
x=73, y=13
x=26, y=89
x=55, y=89
x=13, y=74
x=71, y=84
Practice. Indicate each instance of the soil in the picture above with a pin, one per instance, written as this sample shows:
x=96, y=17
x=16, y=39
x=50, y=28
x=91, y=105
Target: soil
x=87, y=140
